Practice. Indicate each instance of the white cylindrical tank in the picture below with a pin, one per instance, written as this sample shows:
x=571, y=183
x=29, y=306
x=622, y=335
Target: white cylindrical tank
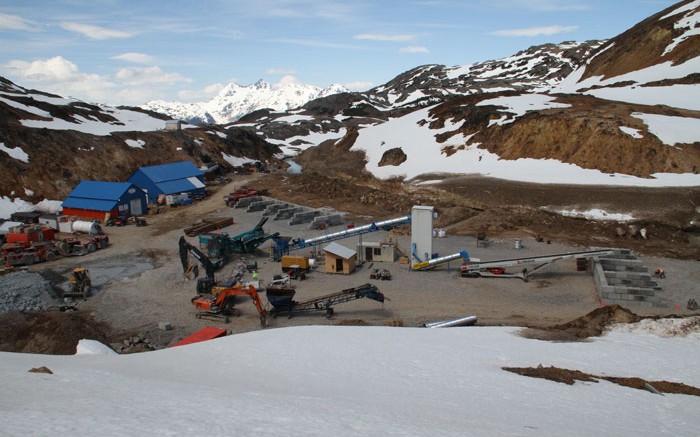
x=91, y=228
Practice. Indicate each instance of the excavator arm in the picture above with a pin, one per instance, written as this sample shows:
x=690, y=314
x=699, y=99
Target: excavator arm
x=222, y=304
x=204, y=285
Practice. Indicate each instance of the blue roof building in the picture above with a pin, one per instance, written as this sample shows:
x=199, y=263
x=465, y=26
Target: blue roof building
x=101, y=200
x=165, y=179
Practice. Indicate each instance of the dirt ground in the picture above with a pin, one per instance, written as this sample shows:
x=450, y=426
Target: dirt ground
x=139, y=281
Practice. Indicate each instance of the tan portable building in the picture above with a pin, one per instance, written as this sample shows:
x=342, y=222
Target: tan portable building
x=340, y=259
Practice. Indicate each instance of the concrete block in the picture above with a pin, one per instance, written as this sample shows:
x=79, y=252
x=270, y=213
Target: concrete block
x=165, y=326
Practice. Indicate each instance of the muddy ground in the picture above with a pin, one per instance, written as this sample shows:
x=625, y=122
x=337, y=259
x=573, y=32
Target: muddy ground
x=139, y=282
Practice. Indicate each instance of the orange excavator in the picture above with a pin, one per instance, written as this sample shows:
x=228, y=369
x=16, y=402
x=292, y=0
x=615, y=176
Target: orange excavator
x=220, y=304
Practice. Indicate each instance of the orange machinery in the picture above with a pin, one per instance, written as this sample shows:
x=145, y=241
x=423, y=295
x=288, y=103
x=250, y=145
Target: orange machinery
x=220, y=303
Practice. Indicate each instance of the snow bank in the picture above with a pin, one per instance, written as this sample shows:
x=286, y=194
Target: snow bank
x=682, y=327
x=357, y=381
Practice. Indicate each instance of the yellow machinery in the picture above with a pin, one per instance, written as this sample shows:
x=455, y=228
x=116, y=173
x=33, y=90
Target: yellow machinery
x=80, y=283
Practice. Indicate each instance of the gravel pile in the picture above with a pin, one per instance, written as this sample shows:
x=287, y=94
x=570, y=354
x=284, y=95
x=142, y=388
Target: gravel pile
x=24, y=291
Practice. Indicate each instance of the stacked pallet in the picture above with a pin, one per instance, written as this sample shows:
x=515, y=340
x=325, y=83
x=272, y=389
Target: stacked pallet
x=208, y=225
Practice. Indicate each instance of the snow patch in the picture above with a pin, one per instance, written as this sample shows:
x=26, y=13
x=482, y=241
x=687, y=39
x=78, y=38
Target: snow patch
x=8, y=206
x=671, y=130
x=596, y=214
x=522, y=104
x=217, y=133
x=15, y=152
x=634, y=133
x=136, y=144
x=93, y=347
x=236, y=161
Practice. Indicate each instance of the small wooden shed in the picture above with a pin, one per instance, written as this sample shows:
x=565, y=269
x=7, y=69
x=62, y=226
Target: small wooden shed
x=340, y=259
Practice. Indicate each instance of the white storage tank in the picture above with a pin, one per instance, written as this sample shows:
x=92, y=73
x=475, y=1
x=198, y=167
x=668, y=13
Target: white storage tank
x=92, y=228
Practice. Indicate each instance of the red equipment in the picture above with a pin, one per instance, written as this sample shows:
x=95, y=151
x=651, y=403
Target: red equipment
x=221, y=302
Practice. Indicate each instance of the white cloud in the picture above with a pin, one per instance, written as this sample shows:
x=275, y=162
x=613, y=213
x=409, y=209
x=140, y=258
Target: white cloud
x=554, y=5
x=413, y=49
x=281, y=71
x=542, y=5
x=213, y=88
x=136, y=76
x=535, y=31
x=358, y=85
x=138, y=58
x=384, y=37
x=14, y=22
x=94, y=32
x=205, y=93
x=286, y=81
x=59, y=75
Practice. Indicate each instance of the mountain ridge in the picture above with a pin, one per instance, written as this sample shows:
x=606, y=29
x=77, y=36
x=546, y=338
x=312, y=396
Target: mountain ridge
x=233, y=101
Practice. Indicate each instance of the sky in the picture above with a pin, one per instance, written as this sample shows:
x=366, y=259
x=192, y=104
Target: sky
x=131, y=52
x=360, y=381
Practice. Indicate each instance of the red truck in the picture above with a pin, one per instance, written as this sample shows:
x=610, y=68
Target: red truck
x=28, y=245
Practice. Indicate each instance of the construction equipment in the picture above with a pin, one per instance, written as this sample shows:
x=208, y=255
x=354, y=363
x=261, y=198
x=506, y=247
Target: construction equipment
x=26, y=245
x=473, y=268
x=14, y=254
x=79, y=283
x=204, y=285
x=221, y=305
x=283, y=246
x=282, y=299
x=381, y=274
x=436, y=262
x=289, y=262
x=77, y=246
x=219, y=245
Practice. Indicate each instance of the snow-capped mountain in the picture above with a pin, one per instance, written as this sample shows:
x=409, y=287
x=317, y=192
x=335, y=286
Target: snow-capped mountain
x=234, y=101
x=623, y=111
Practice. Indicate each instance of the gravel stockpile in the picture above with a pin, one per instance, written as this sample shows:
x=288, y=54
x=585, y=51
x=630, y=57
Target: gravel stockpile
x=24, y=291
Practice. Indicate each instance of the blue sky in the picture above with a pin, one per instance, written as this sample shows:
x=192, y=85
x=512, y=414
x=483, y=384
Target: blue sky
x=131, y=52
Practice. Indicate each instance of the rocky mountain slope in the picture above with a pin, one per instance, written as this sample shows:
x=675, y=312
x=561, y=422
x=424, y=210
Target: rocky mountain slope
x=234, y=101
x=593, y=105
x=48, y=143
x=599, y=105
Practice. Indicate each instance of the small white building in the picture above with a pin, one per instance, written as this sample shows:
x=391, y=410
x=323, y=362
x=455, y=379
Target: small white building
x=377, y=252
x=173, y=125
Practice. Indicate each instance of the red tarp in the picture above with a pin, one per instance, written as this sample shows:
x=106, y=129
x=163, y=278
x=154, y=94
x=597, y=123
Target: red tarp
x=204, y=334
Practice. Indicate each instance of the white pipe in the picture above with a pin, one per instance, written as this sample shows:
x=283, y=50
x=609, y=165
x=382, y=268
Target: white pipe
x=462, y=321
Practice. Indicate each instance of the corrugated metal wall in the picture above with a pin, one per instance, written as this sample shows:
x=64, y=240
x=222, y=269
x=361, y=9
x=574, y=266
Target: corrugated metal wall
x=422, y=232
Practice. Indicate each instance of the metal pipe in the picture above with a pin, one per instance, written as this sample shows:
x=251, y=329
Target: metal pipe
x=386, y=224
x=425, y=265
x=462, y=321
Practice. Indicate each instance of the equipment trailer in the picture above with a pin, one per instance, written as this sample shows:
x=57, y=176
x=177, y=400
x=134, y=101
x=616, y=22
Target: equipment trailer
x=282, y=301
x=474, y=268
